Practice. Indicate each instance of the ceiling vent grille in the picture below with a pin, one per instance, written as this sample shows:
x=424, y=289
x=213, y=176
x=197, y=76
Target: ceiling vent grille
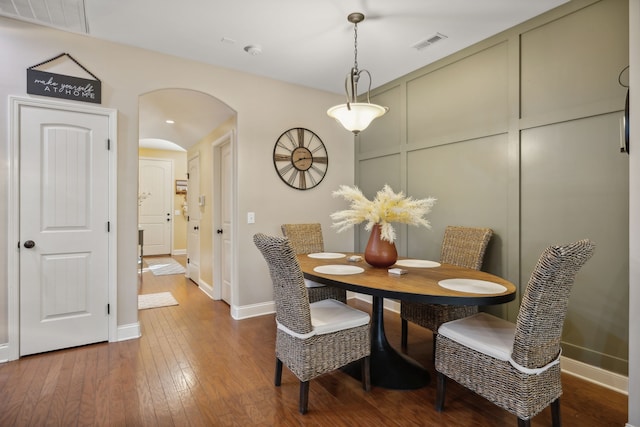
x=68, y=15
x=429, y=41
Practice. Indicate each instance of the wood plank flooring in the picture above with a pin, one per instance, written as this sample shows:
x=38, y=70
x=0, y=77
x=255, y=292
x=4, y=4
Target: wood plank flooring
x=196, y=366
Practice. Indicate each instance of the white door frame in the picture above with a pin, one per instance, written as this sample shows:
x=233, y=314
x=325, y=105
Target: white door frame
x=13, y=214
x=217, y=215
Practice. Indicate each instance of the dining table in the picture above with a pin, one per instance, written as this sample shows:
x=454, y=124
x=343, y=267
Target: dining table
x=409, y=279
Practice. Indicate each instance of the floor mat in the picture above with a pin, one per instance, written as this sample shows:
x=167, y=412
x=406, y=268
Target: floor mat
x=160, y=299
x=164, y=266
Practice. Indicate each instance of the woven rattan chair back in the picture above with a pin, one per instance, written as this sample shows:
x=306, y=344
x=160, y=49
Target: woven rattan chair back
x=290, y=294
x=544, y=304
x=462, y=246
x=465, y=246
x=305, y=238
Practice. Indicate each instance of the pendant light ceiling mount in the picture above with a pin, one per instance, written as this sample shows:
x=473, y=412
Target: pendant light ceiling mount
x=356, y=116
x=355, y=17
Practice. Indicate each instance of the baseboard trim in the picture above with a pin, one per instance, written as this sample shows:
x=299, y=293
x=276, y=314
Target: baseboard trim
x=389, y=304
x=593, y=374
x=4, y=353
x=179, y=252
x=253, y=310
x=129, y=332
x=124, y=333
x=206, y=288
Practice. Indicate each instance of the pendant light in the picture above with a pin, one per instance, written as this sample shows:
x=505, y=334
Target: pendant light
x=356, y=116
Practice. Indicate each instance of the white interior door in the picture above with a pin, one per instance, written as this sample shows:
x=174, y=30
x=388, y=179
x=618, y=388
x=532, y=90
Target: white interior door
x=155, y=192
x=193, y=222
x=226, y=188
x=64, y=241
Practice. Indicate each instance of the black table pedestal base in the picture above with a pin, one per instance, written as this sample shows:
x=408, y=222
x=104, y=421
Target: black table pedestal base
x=389, y=369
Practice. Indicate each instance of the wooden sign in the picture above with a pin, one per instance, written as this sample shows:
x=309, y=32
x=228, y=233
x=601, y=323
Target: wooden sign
x=63, y=86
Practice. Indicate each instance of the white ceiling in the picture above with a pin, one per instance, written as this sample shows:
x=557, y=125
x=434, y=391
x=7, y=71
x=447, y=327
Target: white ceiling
x=309, y=42
x=306, y=42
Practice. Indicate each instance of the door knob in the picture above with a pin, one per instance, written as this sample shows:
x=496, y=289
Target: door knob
x=219, y=231
x=29, y=244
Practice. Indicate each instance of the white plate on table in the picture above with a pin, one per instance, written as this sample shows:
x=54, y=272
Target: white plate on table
x=420, y=263
x=341, y=270
x=472, y=286
x=326, y=255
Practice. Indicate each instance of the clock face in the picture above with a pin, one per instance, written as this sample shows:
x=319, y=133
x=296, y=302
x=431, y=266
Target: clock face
x=300, y=158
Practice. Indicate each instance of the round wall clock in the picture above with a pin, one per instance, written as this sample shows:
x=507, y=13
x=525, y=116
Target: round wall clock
x=300, y=158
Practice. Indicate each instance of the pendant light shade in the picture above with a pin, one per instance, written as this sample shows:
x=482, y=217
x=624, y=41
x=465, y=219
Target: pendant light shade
x=356, y=116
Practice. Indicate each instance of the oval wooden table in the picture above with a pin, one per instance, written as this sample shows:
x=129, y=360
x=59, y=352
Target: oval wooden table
x=390, y=368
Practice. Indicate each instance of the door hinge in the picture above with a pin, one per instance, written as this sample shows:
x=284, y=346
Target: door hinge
x=108, y=144
x=187, y=175
x=108, y=226
x=187, y=260
x=108, y=308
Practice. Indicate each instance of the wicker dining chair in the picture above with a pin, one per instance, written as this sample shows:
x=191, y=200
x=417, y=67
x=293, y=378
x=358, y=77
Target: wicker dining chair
x=462, y=246
x=307, y=239
x=311, y=339
x=516, y=366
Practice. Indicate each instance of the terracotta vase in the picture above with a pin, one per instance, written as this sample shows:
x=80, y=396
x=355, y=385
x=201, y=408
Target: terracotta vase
x=380, y=253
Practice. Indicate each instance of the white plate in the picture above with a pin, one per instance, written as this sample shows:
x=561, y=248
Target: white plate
x=420, y=263
x=473, y=286
x=338, y=269
x=326, y=255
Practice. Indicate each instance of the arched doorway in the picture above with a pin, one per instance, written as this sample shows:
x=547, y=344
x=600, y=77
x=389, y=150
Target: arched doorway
x=172, y=120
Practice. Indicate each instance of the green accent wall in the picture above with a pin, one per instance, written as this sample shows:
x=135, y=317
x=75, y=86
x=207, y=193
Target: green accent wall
x=521, y=133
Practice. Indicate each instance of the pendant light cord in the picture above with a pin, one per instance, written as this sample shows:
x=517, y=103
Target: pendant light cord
x=355, y=46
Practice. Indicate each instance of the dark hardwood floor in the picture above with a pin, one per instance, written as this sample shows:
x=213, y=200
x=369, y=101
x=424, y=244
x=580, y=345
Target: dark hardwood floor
x=195, y=365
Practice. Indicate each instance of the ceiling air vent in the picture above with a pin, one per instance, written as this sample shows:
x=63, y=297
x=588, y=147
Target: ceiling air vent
x=64, y=14
x=429, y=41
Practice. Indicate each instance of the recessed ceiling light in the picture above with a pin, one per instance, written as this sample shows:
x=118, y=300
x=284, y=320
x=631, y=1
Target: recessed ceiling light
x=253, y=49
x=169, y=121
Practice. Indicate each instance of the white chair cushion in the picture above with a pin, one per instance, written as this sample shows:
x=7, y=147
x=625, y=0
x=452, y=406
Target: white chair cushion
x=311, y=284
x=329, y=316
x=482, y=332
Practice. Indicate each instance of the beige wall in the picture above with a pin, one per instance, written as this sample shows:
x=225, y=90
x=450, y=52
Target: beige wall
x=265, y=108
x=521, y=133
x=180, y=172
